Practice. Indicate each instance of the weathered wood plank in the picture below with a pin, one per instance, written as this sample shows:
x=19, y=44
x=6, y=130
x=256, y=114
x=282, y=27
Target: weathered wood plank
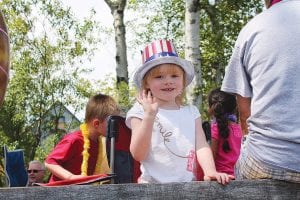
x=258, y=189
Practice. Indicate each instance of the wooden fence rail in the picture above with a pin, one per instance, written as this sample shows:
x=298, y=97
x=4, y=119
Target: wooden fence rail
x=258, y=189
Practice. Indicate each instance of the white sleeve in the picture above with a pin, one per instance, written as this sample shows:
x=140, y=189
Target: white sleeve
x=135, y=111
x=195, y=112
x=236, y=79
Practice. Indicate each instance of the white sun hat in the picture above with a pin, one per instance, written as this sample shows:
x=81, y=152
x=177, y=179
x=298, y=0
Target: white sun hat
x=161, y=52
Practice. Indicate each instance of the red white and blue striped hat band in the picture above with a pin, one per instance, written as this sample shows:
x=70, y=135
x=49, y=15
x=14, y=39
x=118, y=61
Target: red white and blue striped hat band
x=161, y=52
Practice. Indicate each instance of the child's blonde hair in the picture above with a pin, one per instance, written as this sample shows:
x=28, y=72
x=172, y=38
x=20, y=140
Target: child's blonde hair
x=170, y=69
x=100, y=106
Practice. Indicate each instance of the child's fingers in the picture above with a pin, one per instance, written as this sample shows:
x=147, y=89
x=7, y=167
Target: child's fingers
x=139, y=97
x=144, y=93
x=221, y=178
x=210, y=178
x=154, y=99
x=149, y=95
x=207, y=178
x=225, y=179
x=231, y=177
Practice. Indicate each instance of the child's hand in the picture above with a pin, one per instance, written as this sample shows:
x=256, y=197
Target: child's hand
x=148, y=102
x=222, y=178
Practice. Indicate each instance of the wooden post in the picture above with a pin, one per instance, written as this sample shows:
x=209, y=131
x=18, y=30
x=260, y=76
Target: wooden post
x=258, y=189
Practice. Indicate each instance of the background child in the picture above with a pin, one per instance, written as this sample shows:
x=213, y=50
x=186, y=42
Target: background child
x=83, y=152
x=164, y=131
x=226, y=133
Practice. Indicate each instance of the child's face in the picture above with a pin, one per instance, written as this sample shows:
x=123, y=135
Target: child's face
x=165, y=82
x=102, y=128
x=99, y=127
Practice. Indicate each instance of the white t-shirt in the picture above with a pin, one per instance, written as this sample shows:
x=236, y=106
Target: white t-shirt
x=172, y=144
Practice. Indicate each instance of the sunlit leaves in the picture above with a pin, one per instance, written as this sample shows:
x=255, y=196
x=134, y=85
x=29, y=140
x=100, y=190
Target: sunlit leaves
x=48, y=47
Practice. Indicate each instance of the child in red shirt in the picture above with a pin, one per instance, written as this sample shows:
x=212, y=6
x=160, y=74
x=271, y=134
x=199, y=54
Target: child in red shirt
x=82, y=153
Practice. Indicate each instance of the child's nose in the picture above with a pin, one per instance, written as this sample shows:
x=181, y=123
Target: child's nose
x=168, y=80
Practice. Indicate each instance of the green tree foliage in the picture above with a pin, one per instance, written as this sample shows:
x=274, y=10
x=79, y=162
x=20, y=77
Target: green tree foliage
x=219, y=27
x=49, y=47
x=108, y=86
x=156, y=20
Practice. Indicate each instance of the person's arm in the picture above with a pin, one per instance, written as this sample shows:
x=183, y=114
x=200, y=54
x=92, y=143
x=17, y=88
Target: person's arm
x=65, y=150
x=204, y=153
x=214, y=147
x=60, y=172
x=142, y=128
x=205, y=157
x=244, y=106
x=214, y=139
x=141, y=137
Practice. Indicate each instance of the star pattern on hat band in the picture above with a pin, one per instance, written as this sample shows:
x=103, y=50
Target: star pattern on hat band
x=162, y=54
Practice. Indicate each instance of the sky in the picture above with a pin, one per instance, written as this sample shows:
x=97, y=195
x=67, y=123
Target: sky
x=104, y=60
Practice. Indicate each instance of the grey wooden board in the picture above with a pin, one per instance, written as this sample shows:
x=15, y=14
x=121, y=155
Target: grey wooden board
x=258, y=189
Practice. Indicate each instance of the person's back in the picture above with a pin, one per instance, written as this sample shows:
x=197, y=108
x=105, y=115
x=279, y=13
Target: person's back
x=264, y=67
x=225, y=161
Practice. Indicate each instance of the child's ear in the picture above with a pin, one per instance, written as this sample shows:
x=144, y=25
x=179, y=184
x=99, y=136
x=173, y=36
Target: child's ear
x=96, y=123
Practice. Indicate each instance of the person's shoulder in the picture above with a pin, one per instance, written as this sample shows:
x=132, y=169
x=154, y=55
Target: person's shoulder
x=135, y=109
x=73, y=136
x=252, y=27
x=191, y=109
x=136, y=105
x=214, y=130
x=259, y=21
x=213, y=124
x=236, y=128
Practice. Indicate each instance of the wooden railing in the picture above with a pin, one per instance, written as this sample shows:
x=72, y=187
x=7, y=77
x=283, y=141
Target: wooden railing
x=258, y=189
